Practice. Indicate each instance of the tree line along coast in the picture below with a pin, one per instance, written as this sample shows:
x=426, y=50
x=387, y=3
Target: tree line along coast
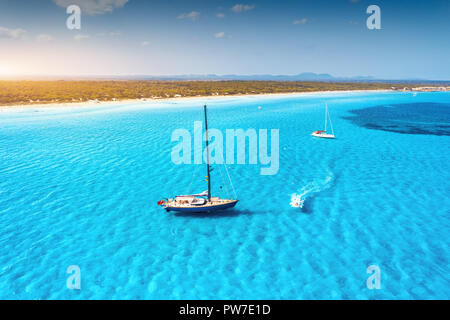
x=32, y=91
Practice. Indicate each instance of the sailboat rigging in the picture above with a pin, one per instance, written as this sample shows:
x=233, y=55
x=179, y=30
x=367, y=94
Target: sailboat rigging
x=208, y=171
x=323, y=133
x=202, y=202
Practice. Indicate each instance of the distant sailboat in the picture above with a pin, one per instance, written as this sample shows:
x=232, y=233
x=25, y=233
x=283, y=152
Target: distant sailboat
x=202, y=202
x=323, y=133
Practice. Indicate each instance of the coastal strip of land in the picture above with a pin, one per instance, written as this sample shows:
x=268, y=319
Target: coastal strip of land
x=91, y=92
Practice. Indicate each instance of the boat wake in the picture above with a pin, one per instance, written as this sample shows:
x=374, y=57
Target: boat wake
x=309, y=190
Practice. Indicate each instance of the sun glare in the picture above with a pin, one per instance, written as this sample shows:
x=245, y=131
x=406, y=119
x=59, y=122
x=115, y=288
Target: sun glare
x=8, y=70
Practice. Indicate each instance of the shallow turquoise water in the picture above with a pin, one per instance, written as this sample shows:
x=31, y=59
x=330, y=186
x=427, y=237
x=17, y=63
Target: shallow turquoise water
x=80, y=186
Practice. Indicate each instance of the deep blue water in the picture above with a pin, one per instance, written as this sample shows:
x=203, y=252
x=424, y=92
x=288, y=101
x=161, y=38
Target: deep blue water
x=79, y=187
x=410, y=118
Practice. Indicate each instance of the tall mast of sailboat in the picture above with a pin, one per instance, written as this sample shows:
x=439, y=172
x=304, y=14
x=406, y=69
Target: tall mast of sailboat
x=207, y=156
x=331, y=124
x=326, y=116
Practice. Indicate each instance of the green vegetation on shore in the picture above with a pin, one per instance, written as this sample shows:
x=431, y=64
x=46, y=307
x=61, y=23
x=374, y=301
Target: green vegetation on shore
x=28, y=92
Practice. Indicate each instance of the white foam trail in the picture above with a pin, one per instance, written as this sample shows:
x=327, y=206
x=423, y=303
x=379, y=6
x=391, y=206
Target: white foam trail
x=298, y=199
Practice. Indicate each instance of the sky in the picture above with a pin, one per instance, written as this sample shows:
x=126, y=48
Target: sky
x=244, y=37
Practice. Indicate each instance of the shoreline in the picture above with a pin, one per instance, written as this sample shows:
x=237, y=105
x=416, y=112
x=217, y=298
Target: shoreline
x=87, y=104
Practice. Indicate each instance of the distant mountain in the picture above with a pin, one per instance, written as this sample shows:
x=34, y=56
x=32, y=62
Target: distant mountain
x=306, y=76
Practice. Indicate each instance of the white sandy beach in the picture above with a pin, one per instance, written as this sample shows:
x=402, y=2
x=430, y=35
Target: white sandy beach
x=163, y=100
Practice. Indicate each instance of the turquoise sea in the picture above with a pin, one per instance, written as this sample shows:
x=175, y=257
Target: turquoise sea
x=79, y=186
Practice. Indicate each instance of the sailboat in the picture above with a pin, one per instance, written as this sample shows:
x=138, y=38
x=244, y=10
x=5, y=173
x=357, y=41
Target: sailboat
x=323, y=133
x=201, y=202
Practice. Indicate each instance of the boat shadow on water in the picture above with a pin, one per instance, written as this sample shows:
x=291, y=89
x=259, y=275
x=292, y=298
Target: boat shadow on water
x=216, y=214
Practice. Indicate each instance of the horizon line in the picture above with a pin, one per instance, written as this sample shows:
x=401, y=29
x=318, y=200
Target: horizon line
x=195, y=76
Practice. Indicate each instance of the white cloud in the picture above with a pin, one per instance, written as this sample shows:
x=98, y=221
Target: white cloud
x=220, y=15
x=220, y=35
x=301, y=21
x=242, y=7
x=80, y=37
x=193, y=15
x=93, y=7
x=44, y=37
x=11, y=33
x=145, y=43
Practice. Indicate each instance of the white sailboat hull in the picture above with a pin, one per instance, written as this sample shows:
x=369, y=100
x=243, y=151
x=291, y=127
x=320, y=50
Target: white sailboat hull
x=323, y=135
